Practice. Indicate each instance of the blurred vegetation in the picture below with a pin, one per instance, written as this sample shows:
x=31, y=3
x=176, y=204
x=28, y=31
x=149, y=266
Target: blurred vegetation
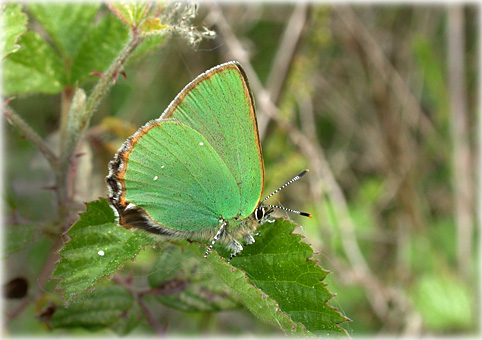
x=362, y=95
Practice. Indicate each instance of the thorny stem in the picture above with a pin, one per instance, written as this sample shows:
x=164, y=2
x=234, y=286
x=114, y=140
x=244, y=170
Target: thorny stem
x=82, y=121
x=66, y=100
x=105, y=81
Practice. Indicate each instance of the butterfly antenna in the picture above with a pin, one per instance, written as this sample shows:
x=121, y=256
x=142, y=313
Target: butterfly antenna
x=294, y=179
x=288, y=209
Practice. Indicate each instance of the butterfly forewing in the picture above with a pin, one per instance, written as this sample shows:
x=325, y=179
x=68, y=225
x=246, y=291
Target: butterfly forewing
x=219, y=105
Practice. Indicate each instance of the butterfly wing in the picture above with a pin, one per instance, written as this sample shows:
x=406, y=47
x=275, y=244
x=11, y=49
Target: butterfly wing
x=219, y=105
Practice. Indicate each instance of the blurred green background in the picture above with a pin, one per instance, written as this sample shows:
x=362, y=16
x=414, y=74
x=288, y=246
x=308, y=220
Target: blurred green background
x=379, y=102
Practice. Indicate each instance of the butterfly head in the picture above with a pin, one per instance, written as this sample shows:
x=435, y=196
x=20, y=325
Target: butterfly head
x=262, y=213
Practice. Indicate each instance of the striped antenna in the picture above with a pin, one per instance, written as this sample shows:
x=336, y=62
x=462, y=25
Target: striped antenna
x=288, y=209
x=285, y=185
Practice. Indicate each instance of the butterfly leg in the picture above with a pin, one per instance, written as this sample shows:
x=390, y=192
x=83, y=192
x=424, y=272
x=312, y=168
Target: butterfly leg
x=236, y=247
x=218, y=234
x=249, y=239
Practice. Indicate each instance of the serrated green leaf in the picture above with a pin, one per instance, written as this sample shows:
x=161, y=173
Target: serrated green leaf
x=34, y=68
x=99, y=48
x=14, y=24
x=189, y=283
x=131, y=12
x=278, y=264
x=97, y=248
x=66, y=23
x=102, y=307
x=17, y=237
x=274, y=279
x=258, y=302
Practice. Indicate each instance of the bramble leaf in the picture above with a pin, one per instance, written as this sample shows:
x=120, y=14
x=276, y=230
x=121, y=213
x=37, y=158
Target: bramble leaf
x=278, y=263
x=103, y=307
x=153, y=25
x=97, y=249
x=185, y=282
x=66, y=23
x=278, y=283
x=273, y=277
x=14, y=24
x=33, y=68
x=99, y=48
x=130, y=12
x=17, y=237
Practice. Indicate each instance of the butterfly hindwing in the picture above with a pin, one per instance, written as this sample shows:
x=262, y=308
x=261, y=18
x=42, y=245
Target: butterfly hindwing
x=175, y=175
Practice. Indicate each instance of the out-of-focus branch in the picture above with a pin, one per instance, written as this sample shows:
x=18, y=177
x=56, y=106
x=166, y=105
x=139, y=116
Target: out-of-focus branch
x=462, y=180
x=326, y=181
x=283, y=58
x=285, y=51
x=235, y=47
x=415, y=115
x=400, y=133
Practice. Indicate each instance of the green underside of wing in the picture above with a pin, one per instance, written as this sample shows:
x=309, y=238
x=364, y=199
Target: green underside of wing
x=219, y=109
x=176, y=176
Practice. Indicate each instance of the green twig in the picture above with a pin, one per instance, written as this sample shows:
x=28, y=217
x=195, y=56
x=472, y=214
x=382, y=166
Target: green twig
x=22, y=126
x=66, y=102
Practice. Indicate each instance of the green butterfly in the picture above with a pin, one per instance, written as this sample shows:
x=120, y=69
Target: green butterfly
x=197, y=171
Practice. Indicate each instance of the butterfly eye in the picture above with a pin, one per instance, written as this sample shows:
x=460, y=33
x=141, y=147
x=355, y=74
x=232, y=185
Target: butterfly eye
x=259, y=213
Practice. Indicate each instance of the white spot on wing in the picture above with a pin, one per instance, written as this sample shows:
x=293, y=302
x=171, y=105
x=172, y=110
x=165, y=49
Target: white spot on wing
x=201, y=143
x=100, y=252
x=155, y=178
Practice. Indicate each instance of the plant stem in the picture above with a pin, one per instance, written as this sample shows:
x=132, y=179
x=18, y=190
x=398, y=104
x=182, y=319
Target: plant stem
x=66, y=100
x=461, y=154
x=22, y=126
x=77, y=119
x=105, y=82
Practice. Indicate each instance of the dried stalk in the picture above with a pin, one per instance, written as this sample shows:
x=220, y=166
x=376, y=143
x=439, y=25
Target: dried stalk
x=461, y=156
